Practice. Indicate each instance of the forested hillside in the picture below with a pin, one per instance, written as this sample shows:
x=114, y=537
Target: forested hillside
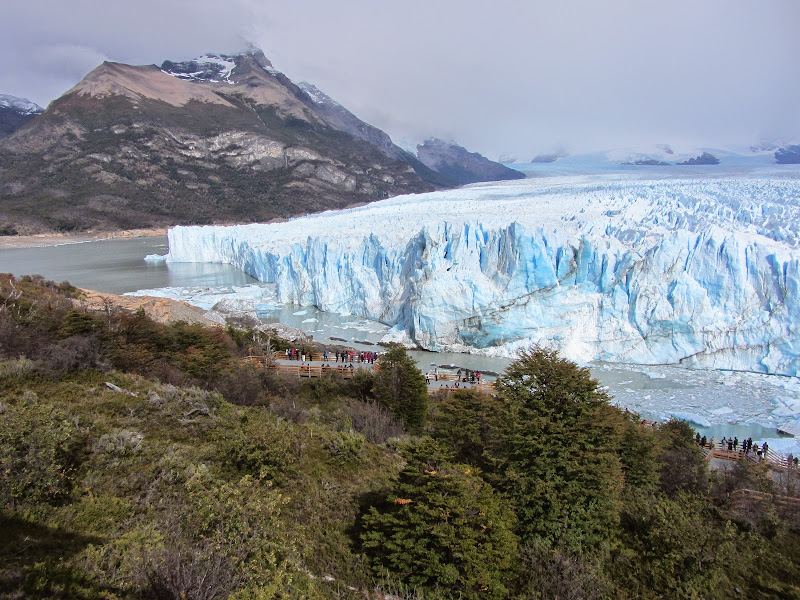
x=141, y=460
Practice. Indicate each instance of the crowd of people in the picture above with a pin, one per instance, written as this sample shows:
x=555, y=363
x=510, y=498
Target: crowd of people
x=745, y=447
x=343, y=356
x=462, y=376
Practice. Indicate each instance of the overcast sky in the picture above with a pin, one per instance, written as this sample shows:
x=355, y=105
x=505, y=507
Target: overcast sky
x=502, y=77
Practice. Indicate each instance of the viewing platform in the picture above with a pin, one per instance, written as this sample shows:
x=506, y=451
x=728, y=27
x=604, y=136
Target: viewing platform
x=315, y=365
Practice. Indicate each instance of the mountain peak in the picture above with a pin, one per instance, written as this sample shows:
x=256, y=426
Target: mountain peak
x=216, y=68
x=460, y=165
x=138, y=82
x=15, y=112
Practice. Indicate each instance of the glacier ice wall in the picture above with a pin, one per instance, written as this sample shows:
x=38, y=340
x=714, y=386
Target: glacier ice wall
x=700, y=271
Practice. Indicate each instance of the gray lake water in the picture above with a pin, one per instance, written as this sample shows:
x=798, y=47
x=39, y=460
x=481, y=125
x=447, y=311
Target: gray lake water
x=732, y=403
x=115, y=266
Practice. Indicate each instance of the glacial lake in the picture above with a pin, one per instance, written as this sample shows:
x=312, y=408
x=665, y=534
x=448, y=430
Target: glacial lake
x=732, y=403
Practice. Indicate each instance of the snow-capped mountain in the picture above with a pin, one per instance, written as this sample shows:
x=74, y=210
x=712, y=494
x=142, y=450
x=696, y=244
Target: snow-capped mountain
x=700, y=270
x=221, y=138
x=22, y=106
x=211, y=68
x=15, y=112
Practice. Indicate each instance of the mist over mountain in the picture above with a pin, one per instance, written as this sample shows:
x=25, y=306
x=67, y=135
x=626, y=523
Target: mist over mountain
x=461, y=166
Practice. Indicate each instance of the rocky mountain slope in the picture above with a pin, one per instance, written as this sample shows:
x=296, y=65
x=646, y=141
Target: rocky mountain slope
x=15, y=112
x=459, y=166
x=341, y=118
x=218, y=139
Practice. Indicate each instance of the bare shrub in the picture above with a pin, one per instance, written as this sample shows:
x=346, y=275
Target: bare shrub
x=374, y=422
x=123, y=442
x=551, y=574
x=75, y=353
x=15, y=340
x=288, y=408
x=243, y=386
x=17, y=368
x=181, y=570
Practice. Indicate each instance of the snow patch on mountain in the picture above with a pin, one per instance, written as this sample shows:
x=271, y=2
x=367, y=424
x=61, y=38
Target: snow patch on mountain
x=22, y=106
x=702, y=271
x=318, y=96
x=209, y=67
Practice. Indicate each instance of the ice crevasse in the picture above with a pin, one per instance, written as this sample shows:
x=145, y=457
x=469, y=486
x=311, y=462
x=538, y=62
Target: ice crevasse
x=700, y=271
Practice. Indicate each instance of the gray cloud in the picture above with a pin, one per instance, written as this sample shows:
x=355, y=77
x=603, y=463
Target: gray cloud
x=506, y=77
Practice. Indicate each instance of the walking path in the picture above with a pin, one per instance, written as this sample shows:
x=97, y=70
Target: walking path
x=316, y=366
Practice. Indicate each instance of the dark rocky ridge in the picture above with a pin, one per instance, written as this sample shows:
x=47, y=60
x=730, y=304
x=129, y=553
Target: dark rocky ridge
x=131, y=147
x=704, y=159
x=460, y=166
x=789, y=155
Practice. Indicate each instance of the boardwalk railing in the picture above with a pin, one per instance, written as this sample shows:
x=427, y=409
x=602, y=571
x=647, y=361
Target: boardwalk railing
x=319, y=357
x=313, y=370
x=485, y=387
x=771, y=458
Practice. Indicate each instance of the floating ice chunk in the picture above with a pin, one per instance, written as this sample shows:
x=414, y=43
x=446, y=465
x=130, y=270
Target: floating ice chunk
x=156, y=258
x=786, y=406
x=792, y=428
x=722, y=410
x=311, y=320
x=300, y=313
x=689, y=417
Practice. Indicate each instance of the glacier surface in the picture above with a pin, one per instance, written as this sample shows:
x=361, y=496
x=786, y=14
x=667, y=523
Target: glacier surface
x=699, y=270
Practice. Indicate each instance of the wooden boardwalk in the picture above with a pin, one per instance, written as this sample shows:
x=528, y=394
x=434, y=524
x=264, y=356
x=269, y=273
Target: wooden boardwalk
x=316, y=366
x=719, y=452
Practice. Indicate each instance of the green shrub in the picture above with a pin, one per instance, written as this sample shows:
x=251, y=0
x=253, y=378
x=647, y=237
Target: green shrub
x=40, y=449
x=262, y=446
x=345, y=447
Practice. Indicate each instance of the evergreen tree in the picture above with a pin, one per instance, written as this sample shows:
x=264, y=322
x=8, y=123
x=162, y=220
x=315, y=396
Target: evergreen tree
x=400, y=386
x=470, y=423
x=562, y=470
x=443, y=528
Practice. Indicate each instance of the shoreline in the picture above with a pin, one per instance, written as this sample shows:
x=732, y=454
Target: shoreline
x=40, y=240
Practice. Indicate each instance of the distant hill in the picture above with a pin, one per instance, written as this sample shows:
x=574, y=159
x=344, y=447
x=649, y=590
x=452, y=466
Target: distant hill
x=705, y=158
x=218, y=139
x=460, y=166
x=789, y=155
x=15, y=112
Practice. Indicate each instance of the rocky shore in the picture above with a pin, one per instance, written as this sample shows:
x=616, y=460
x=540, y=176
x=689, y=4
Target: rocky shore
x=57, y=239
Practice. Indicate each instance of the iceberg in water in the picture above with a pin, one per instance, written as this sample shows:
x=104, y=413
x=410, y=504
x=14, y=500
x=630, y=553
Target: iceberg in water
x=703, y=271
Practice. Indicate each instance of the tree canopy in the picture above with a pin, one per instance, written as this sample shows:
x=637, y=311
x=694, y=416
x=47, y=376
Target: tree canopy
x=400, y=386
x=443, y=527
x=562, y=471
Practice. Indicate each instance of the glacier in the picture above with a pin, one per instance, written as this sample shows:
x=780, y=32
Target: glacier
x=650, y=269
